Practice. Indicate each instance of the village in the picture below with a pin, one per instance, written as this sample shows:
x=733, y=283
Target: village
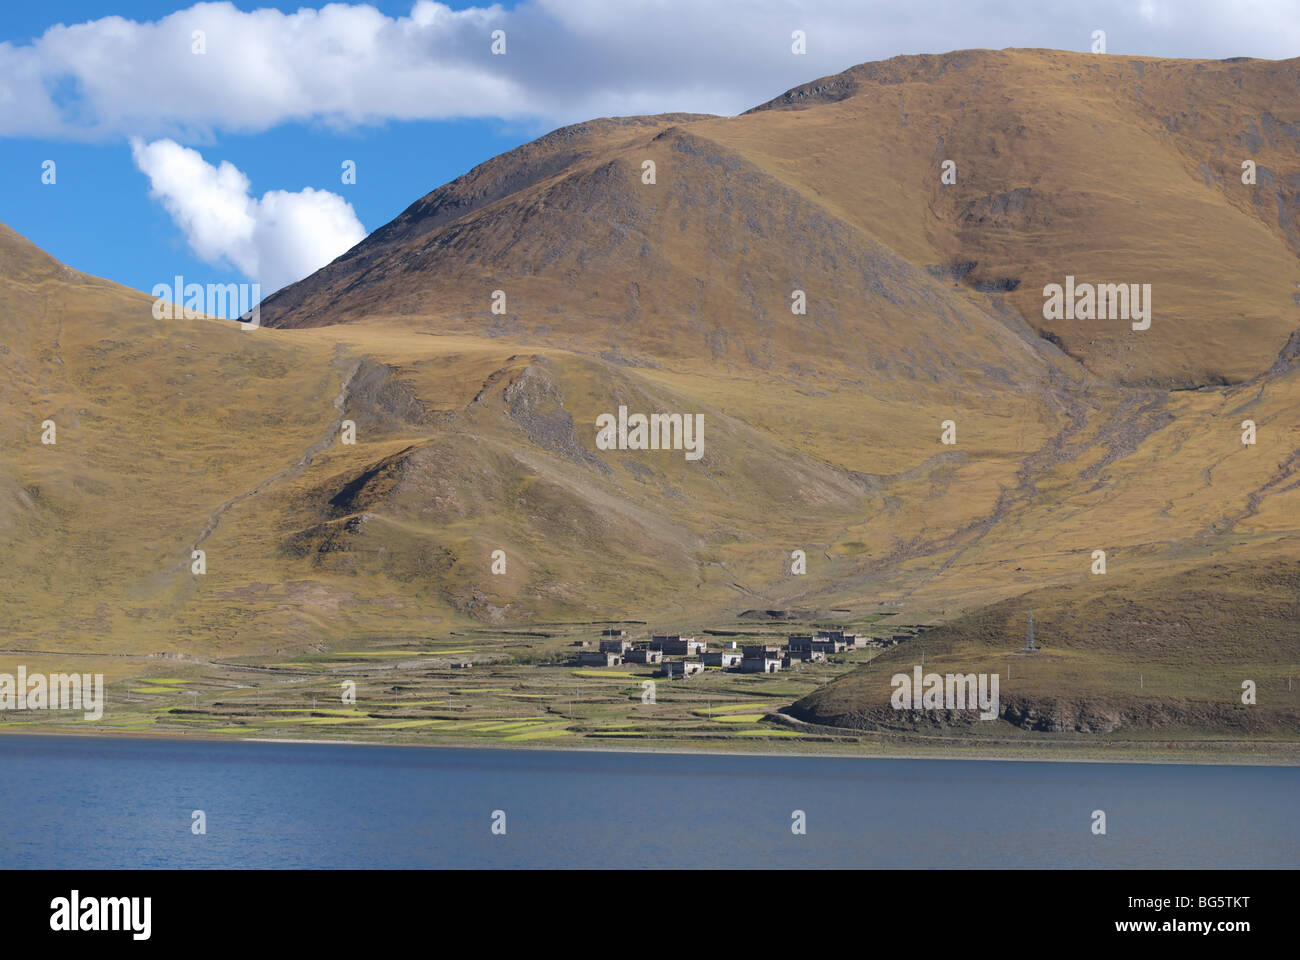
x=680, y=656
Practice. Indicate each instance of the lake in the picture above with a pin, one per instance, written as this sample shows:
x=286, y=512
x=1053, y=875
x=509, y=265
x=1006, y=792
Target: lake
x=73, y=802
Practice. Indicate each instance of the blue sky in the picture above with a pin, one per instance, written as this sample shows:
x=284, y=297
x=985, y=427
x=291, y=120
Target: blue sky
x=99, y=218
x=164, y=159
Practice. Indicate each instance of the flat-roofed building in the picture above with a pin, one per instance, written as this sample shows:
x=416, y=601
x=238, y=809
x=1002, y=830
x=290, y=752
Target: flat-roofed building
x=761, y=659
x=680, y=668
x=594, y=658
x=846, y=639
x=676, y=646
x=726, y=659
x=800, y=648
x=840, y=640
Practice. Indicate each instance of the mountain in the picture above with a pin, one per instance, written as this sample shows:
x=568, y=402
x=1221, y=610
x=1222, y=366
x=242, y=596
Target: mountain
x=1113, y=170
x=476, y=430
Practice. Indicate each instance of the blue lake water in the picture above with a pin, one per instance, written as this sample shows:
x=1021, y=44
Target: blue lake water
x=117, y=803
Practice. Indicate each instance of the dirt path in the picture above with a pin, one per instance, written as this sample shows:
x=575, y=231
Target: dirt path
x=301, y=464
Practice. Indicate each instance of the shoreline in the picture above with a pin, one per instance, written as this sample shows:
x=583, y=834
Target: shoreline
x=1202, y=760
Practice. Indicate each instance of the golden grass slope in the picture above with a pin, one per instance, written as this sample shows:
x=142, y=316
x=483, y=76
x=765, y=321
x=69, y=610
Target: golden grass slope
x=158, y=424
x=1163, y=654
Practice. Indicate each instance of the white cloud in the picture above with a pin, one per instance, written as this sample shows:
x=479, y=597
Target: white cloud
x=273, y=241
x=566, y=60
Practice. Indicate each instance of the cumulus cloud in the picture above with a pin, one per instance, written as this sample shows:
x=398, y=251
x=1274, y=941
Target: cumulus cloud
x=273, y=241
x=565, y=60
